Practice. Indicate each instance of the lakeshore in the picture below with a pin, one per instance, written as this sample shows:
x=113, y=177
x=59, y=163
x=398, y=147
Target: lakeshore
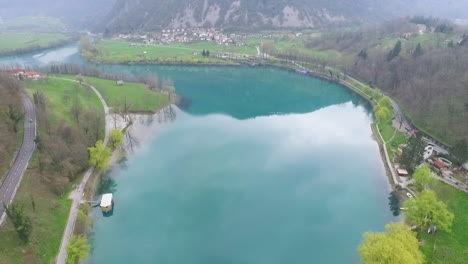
x=195, y=104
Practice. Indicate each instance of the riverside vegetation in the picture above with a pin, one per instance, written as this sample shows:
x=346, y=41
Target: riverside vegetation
x=70, y=119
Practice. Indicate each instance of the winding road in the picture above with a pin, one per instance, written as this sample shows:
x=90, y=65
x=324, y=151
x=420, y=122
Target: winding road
x=11, y=182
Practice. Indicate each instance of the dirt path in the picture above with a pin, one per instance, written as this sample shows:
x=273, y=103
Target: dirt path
x=77, y=194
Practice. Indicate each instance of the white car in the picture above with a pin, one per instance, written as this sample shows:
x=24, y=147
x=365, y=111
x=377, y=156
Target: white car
x=409, y=195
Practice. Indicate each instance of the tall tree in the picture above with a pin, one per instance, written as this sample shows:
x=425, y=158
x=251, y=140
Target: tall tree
x=412, y=154
x=22, y=223
x=116, y=137
x=395, y=52
x=426, y=211
x=418, y=51
x=385, y=102
x=382, y=113
x=15, y=116
x=422, y=176
x=77, y=248
x=99, y=155
x=397, y=245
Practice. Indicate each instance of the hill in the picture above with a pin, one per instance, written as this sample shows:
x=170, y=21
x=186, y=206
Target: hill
x=148, y=15
x=75, y=14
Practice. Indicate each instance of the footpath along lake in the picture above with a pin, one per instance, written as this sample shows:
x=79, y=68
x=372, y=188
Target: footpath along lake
x=261, y=166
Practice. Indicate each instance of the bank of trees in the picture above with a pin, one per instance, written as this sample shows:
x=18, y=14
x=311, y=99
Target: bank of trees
x=11, y=115
x=63, y=146
x=428, y=78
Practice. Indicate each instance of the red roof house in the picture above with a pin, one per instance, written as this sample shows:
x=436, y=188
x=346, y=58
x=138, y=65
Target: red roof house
x=439, y=164
x=31, y=75
x=16, y=71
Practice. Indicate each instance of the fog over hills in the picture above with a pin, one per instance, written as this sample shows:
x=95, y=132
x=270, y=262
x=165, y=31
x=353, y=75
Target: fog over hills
x=77, y=14
x=144, y=15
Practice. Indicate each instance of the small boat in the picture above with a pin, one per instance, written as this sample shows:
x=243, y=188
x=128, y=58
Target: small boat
x=107, y=203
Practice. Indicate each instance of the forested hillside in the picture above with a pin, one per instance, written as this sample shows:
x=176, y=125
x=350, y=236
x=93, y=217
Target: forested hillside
x=148, y=15
x=425, y=67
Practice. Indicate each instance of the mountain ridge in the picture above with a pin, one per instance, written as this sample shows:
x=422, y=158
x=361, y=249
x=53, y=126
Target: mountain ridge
x=149, y=15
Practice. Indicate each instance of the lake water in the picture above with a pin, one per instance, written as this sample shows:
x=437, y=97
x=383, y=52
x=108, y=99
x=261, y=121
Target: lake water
x=262, y=166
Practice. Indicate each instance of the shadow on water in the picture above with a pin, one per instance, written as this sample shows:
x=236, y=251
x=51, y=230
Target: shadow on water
x=394, y=203
x=106, y=185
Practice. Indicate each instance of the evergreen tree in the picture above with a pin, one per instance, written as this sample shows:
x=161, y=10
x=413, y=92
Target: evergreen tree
x=22, y=223
x=418, y=51
x=395, y=52
x=207, y=53
x=363, y=54
x=203, y=53
x=412, y=154
x=450, y=44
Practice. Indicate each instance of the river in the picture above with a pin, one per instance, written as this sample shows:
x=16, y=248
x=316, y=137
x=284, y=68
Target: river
x=262, y=166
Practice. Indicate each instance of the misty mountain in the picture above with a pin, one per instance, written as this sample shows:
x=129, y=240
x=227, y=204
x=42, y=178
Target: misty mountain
x=147, y=15
x=77, y=14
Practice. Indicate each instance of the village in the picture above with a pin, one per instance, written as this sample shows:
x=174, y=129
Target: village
x=168, y=36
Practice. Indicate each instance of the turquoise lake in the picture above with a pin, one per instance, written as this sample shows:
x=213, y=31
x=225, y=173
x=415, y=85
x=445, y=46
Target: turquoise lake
x=260, y=166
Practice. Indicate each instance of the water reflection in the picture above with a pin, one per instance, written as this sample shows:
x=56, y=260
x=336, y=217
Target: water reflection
x=394, y=203
x=241, y=188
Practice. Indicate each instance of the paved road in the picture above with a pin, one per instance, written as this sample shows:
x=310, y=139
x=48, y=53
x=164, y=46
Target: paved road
x=12, y=181
x=77, y=194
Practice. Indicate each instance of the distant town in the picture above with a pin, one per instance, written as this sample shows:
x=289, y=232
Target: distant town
x=189, y=35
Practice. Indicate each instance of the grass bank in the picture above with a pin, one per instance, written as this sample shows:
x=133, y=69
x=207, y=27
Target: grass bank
x=447, y=247
x=138, y=96
x=17, y=43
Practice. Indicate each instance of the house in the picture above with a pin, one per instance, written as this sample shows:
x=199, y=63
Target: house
x=463, y=40
x=31, y=75
x=195, y=53
x=16, y=72
x=439, y=164
x=402, y=172
x=119, y=82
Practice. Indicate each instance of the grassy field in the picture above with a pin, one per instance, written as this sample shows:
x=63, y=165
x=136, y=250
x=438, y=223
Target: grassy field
x=283, y=46
x=451, y=247
x=120, y=51
x=10, y=42
x=61, y=94
x=138, y=95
